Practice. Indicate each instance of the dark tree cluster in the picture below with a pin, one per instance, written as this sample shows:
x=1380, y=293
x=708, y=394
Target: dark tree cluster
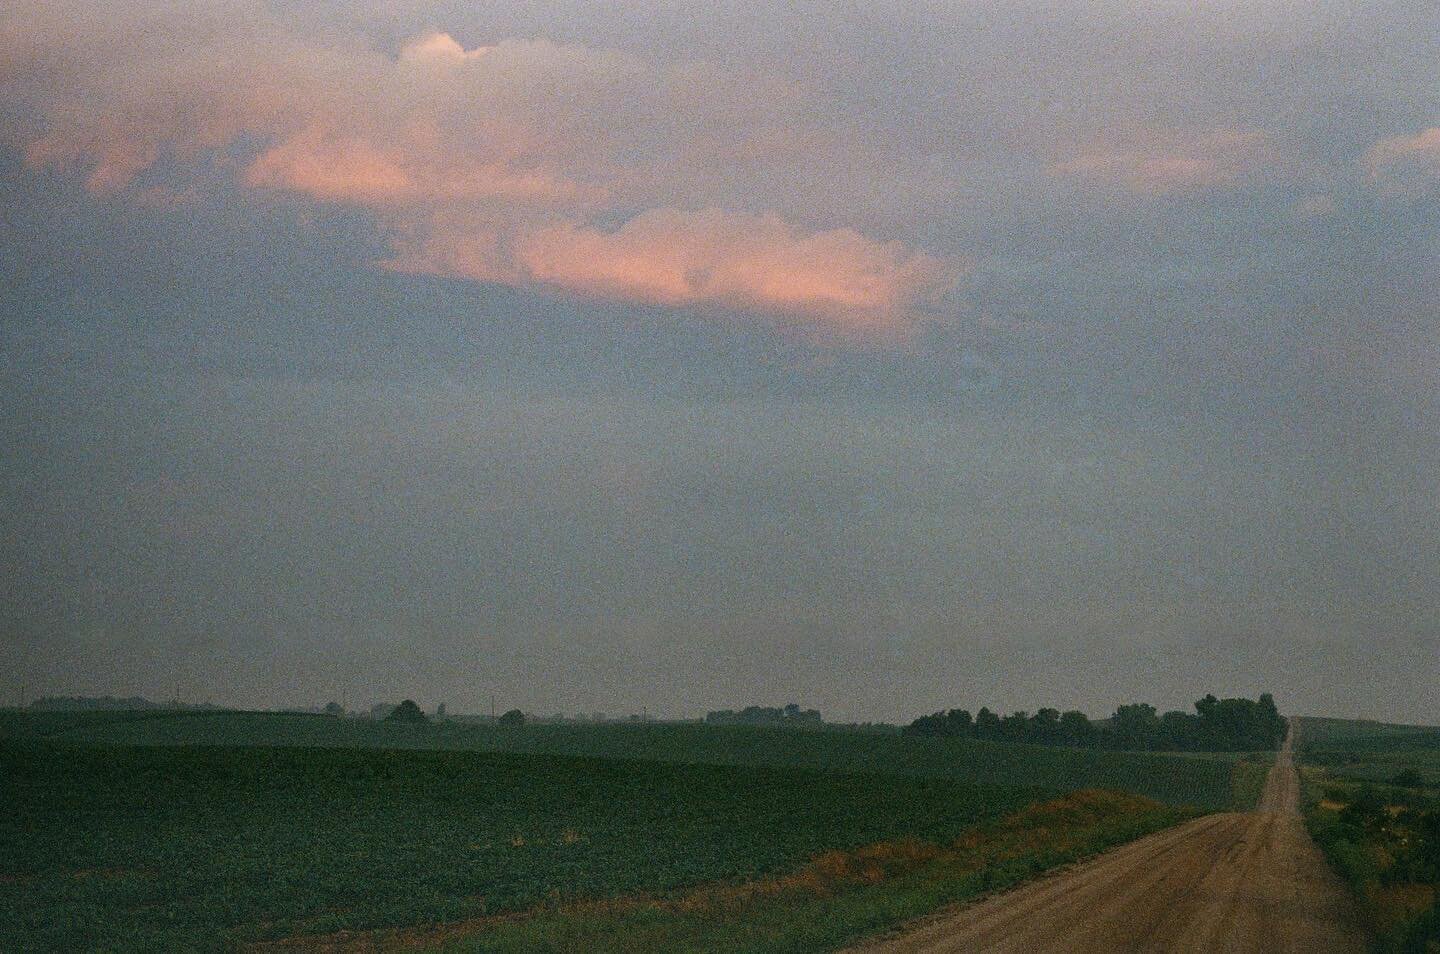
x=107, y=704
x=1217, y=725
x=764, y=715
x=407, y=711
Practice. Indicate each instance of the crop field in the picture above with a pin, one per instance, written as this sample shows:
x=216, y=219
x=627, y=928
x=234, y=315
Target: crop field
x=1359, y=733
x=1175, y=779
x=191, y=848
x=1371, y=751
x=172, y=830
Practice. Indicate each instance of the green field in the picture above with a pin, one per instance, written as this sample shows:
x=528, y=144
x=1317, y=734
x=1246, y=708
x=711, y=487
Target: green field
x=142, y=848
x=1371, y=751
x=1339, y=733
x=202, y=831
x=1176, y=779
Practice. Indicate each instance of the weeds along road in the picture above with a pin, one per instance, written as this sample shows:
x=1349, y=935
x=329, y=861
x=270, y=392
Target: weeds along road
x=1251, y=882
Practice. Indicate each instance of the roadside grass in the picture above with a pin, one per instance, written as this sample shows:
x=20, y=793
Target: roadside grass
x=1383, y=839
x=1173, y=778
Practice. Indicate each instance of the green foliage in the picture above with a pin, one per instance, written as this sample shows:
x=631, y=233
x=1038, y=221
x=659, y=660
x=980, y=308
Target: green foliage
x=1379, y=828
x=790, y=715
x=200, y=848
x=512, y=719
x=407, y=711
x=1219, y=725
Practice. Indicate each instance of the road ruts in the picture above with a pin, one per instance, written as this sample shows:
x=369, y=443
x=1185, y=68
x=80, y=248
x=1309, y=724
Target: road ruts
x=1234, y=882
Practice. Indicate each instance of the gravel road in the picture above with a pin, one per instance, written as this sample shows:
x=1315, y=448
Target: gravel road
x=1234, y=882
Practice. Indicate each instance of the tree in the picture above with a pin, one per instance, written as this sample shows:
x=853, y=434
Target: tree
x=513, y=719
x=958, y=722
x=407, y=712
x=1409, y=778
x=1015, y=727
x=440, y=714
x=1272, y=726
x=1178, y=730
x=987, y=724
x=1222, y=725
x=1135, y=726
x=1076, y=729
x=1045, y=726
x=334, y=709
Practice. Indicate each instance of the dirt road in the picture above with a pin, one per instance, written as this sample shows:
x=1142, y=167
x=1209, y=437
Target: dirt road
x=1251, y=882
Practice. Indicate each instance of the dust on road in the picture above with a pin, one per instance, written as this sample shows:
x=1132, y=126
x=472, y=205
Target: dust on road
x=1234, y=882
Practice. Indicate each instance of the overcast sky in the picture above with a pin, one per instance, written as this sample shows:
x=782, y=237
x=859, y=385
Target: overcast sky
x=878, y=357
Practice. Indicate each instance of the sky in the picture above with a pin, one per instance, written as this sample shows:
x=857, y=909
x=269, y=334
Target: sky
x=592, y=356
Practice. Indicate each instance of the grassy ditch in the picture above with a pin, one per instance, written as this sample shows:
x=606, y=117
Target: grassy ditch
x=1383, y=837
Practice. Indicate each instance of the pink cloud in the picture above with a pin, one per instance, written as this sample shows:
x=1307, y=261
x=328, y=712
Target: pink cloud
x=498, y=163
x=1160, y=162
x=441, y=49
x=1404, y=163
x=712, y=257
x=340, y=168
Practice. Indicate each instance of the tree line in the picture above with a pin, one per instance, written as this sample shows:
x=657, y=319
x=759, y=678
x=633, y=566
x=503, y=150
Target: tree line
x=791, y=714
x=1216, y=725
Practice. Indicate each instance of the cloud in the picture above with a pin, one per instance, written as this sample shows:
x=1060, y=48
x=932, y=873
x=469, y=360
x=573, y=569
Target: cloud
x=335, y=167
x=506, y=162
x=1164, y=161
x=440, y=49
x=711, y=257
x=672, y=257
x=1405, y=163
x=479, y=147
